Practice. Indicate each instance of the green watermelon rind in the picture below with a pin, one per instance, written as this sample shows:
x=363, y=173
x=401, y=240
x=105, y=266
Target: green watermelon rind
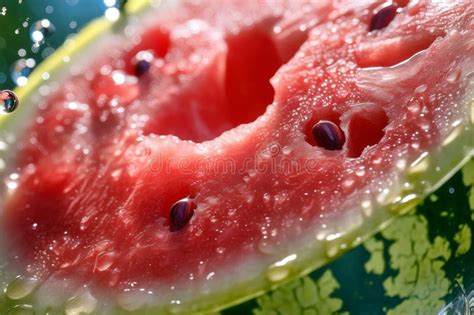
x=435, y=240
x=313, y=251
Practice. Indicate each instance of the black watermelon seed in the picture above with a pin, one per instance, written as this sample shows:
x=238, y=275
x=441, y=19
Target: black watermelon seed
x=383, y=17
x=8, y=101
x=328, y=135
x=143, y=61
x=181, y=212
x=142, y=67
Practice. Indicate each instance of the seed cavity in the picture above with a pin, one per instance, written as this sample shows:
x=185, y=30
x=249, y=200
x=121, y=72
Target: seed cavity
x=328, y=135
x=181, y=212
x=366, y=128
x=8, y=101
x=383, y=16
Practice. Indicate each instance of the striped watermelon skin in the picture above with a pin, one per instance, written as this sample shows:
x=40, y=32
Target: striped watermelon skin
x=422, y=263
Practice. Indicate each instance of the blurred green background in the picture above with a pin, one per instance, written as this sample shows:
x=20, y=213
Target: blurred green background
x=18, y=16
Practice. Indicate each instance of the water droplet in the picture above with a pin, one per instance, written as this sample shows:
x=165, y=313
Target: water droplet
x=104, y=261
x=454, y=75
x=180, y=214
x=413, y=106
x=348, y=183
x=175, y=307
x=360, y=172
x=332, y=237
x=83, y=303
x=266, y=247
x=8, y=101
x=210, y=275
x=266, y=197
x=277, y=274
x=21, y=70
x=421, y=89
x=286, y=150
x=453, y=136
x=420, y=164
x=407, y=203
x=40, y=30
x=385, y=196
x=20, y=287
x=401, y=164
x=332, y=250
x=285, y=261
x=21, y=52
x=425, y=126
x=72, y=25
x=116, y=174
x=49, y=9
x=367, y=208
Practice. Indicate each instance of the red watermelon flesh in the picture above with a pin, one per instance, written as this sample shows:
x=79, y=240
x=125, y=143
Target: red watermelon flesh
x=224, y=116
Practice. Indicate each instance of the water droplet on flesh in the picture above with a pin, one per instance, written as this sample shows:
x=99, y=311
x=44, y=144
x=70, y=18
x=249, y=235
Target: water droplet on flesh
x=280, y=270
x=83, y=303
x=104, y=261
x=413, y=106
x=454, y=75
x=20, y=287
x=421, y=89
x=277, y=274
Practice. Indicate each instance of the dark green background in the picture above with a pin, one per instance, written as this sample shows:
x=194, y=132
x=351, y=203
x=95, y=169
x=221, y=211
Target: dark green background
x=60, y=12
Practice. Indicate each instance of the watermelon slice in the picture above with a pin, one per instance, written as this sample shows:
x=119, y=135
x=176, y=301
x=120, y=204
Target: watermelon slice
x=217, y=149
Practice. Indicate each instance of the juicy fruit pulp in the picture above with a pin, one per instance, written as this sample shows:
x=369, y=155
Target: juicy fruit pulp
x=99, y=170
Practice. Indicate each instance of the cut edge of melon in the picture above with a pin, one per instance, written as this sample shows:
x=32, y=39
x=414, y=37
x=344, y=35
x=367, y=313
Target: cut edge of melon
x=313, y=251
